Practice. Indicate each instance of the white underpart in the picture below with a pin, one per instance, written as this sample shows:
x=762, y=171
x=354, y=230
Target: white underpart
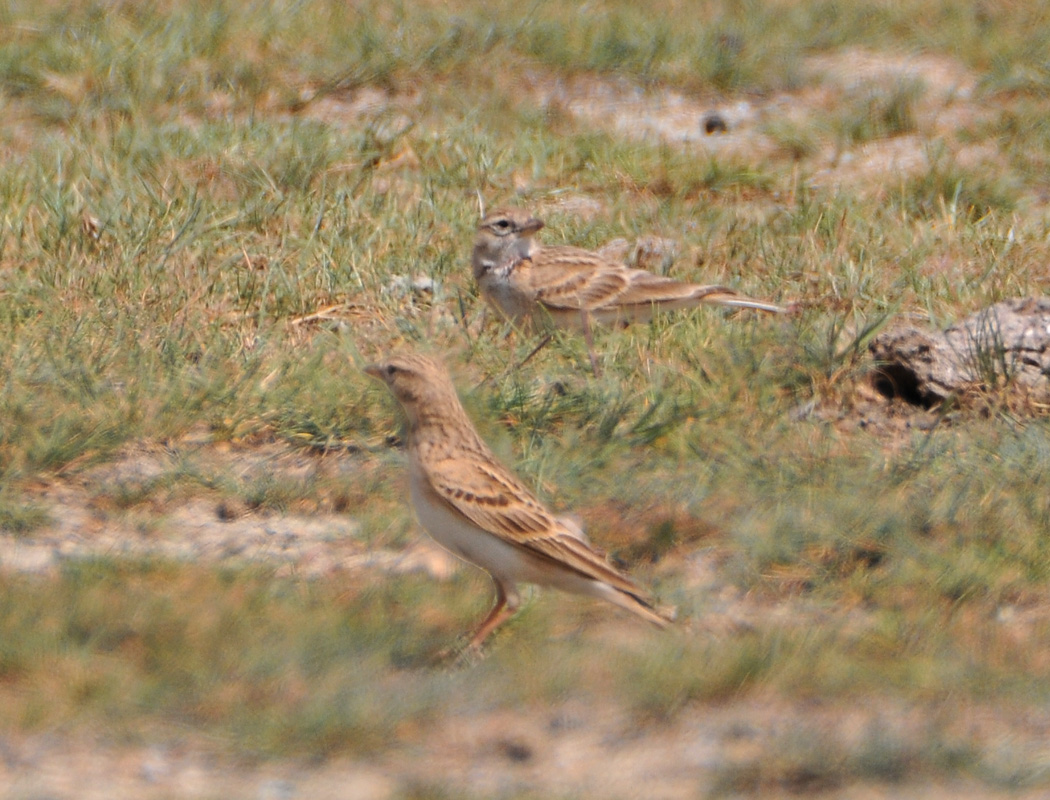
x=507, y=563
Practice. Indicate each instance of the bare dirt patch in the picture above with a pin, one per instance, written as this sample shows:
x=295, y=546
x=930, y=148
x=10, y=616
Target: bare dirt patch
x=125, y=509
x=758, y=128
x=761, y=747
x=800, y=124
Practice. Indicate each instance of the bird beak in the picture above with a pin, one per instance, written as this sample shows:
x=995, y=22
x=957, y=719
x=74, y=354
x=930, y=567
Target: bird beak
x=373, y=370
x=531, y=226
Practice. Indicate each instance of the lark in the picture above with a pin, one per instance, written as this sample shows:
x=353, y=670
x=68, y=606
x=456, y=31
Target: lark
x=525, y=279
x=479, y=511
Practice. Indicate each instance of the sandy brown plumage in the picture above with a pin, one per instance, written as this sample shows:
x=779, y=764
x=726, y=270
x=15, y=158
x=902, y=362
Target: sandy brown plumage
x=528, y=281
x=477, y=509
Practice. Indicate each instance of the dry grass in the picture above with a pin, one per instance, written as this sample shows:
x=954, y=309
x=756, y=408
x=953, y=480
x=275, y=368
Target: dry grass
x=212, y=215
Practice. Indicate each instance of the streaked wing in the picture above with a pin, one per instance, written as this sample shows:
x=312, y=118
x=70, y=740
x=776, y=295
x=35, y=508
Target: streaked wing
x=567, y=549
x=489, y=496
x=494, y=500
x=570, y=279
x=645, y=289
x=611, y=291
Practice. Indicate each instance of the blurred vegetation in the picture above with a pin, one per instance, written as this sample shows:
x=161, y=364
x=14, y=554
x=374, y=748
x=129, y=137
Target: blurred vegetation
x=211, y=214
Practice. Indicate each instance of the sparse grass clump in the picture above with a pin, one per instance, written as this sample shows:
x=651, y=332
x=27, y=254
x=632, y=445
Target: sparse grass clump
x=230, y=651
x=873, y=112
x=947, y=190
x=19, y=518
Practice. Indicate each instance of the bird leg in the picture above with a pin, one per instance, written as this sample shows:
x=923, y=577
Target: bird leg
x=520, y=364
x=585, y=323
x=535, y=350
x=505, y=608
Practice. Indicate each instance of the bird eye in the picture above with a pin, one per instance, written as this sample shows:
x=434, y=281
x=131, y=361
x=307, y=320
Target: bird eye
x=391, y=370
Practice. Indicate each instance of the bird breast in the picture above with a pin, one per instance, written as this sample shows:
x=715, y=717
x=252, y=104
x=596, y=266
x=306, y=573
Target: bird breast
x=463, y=538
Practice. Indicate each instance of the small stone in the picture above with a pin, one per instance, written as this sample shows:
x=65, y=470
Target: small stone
x=517, y=751
x=156, y=766
x=401, y=285
x=230, y=509
x=616, y=250
x=276, y=790
x=654, y=253
x=715, y=123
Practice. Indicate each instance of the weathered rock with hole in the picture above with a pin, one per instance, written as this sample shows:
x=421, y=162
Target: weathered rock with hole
x=1006, y=345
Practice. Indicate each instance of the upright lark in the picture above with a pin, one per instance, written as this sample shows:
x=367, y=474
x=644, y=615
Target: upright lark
x=475, y=508
x=528, y=281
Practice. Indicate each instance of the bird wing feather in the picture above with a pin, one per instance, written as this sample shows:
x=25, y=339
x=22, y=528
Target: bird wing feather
x=645, y=288
x=495, y=501
x=573, y=279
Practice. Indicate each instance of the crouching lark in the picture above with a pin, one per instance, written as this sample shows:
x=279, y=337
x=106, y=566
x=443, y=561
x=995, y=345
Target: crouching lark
x=475, y=508
x=527, y=281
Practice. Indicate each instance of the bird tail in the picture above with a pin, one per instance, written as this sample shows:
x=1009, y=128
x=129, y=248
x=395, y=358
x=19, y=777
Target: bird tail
x=728, y=297
x=660, y=616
